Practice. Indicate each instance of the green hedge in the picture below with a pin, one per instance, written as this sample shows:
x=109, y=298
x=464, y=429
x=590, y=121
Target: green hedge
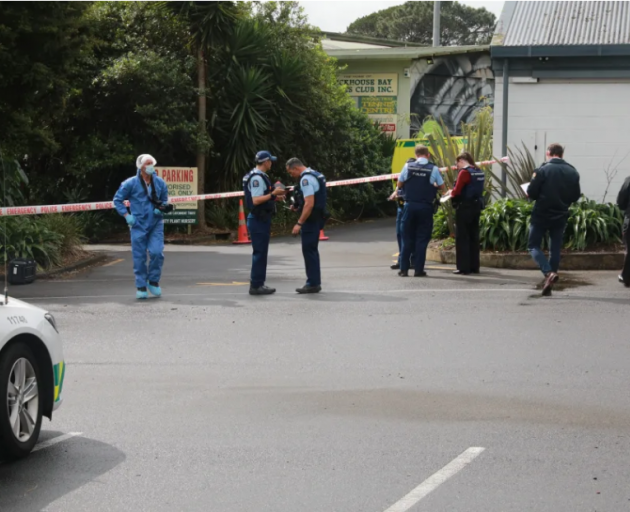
x=47, y=239
x=504, y=225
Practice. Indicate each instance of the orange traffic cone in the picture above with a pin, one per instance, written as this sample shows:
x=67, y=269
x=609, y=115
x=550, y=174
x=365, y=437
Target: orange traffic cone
x=322, y=236
x=242, y=226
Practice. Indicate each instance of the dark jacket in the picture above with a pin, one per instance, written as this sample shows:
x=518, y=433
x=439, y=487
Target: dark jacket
x=623, y=201
x=555, y=187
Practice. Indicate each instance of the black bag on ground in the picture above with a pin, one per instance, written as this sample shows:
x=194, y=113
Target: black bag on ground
x=22, y=271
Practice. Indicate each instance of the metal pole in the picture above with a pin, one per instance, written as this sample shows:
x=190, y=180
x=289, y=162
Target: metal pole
x=504, y=136
x=436, y=23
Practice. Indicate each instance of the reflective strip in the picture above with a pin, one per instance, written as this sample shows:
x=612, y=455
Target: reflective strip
x=59, y=371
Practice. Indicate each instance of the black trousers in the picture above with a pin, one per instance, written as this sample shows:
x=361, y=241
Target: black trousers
x=467, y=236
x=625, y=273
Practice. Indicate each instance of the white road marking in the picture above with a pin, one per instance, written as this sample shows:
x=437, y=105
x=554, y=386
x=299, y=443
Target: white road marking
x=435, y=480
x=56, y=440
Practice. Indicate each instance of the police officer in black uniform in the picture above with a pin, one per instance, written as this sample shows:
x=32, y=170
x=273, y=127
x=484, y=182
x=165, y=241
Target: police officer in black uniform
x=421, y=181
x=310, y=203
x=260, y=196
x=467, y=199
x=399, y=197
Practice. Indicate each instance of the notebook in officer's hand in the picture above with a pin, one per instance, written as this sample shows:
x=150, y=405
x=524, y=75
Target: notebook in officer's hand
x=525, y=186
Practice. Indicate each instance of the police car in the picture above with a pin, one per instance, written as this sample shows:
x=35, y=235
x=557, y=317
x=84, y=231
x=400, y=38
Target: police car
x=31, y=375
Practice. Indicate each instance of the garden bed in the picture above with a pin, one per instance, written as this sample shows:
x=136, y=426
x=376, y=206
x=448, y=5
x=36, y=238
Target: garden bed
x=600, y=258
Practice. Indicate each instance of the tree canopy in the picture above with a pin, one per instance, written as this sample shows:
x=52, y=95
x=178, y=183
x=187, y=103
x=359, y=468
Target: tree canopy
x=413, y=22
x=87, y=86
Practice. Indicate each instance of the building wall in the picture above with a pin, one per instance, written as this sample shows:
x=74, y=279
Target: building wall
x=588, y=117
x=451, y=88
x=383, y=66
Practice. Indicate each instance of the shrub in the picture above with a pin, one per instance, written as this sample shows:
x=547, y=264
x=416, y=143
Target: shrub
x=222, y=214
x=591, y=223
x=28, y=237
x=505, y=225
x=69, y=228
x=440, y=225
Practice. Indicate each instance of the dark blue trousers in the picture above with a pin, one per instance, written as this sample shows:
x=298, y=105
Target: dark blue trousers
x=310, y=243
x=417, y=229
x=399, y=233
x=260, y=234
x=536, y=234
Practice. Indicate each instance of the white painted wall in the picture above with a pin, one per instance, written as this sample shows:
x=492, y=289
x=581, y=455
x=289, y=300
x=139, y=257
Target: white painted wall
x=590, y=118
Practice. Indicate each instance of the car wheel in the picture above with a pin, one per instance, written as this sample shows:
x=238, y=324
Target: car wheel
x=20, y=403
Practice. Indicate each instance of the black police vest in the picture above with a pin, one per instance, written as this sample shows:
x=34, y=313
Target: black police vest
x=418, y=186
x=320, y=195
x=267, y=206
x=474, y=189
x=401, y=191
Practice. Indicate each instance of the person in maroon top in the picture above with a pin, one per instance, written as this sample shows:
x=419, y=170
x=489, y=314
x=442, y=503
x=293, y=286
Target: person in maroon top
x=467, y=199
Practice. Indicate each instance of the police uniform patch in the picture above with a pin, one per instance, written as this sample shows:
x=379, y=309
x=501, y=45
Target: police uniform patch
x=255, y=183
x=304, y=182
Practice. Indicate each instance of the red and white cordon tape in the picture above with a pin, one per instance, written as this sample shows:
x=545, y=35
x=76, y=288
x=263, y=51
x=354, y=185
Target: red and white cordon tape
x=109, y=205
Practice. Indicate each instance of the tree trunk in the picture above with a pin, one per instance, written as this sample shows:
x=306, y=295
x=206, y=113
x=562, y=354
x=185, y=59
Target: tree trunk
x=201, y=154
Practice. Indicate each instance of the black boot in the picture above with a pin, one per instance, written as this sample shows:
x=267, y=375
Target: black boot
x=309, y=289
x=261, y=290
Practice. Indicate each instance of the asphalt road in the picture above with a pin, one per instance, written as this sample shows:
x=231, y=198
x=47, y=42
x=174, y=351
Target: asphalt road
x=211, y=400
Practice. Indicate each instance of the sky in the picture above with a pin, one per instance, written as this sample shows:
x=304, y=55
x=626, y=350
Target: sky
x=336, y=16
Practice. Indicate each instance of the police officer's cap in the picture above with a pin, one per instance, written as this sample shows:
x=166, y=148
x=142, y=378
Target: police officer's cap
x=263, y=156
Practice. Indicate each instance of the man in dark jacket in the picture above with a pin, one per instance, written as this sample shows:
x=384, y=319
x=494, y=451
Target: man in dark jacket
x=554, y=187
x=623, y=202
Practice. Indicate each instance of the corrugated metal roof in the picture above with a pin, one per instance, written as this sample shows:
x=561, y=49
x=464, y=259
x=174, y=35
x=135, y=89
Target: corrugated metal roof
x=564, y=24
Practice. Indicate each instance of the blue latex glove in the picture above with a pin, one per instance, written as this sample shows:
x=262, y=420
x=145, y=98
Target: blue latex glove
x=157, y=212
x=131, y=220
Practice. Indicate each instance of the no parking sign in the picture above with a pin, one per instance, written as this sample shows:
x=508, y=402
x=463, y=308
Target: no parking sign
x=181, y=181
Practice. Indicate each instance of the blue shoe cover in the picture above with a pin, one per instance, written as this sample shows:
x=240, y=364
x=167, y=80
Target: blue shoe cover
x=155, y=290
x=141, y=295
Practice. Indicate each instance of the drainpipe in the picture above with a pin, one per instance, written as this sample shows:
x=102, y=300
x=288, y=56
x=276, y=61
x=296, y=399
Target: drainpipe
x=504, y=135
x=436, y=23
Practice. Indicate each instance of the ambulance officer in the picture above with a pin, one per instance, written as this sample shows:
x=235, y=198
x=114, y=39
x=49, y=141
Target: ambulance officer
x=420, y=181
x=260, y=196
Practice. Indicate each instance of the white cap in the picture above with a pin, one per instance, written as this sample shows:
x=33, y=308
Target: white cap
x=143, y=159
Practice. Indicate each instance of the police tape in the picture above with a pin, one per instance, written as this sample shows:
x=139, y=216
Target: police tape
x=109, y=205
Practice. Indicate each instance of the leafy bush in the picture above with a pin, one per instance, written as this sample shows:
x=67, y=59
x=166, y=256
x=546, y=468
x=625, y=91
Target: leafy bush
x=505, y=225
x=222, y=214
x=440, y=225
x=591, y=223
x=69, y=228
x=28, y=237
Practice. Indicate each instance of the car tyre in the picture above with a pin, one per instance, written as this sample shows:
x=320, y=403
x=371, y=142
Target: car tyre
x=20, y=401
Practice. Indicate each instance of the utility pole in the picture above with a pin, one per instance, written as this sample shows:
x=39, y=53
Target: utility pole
x=436, y=23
